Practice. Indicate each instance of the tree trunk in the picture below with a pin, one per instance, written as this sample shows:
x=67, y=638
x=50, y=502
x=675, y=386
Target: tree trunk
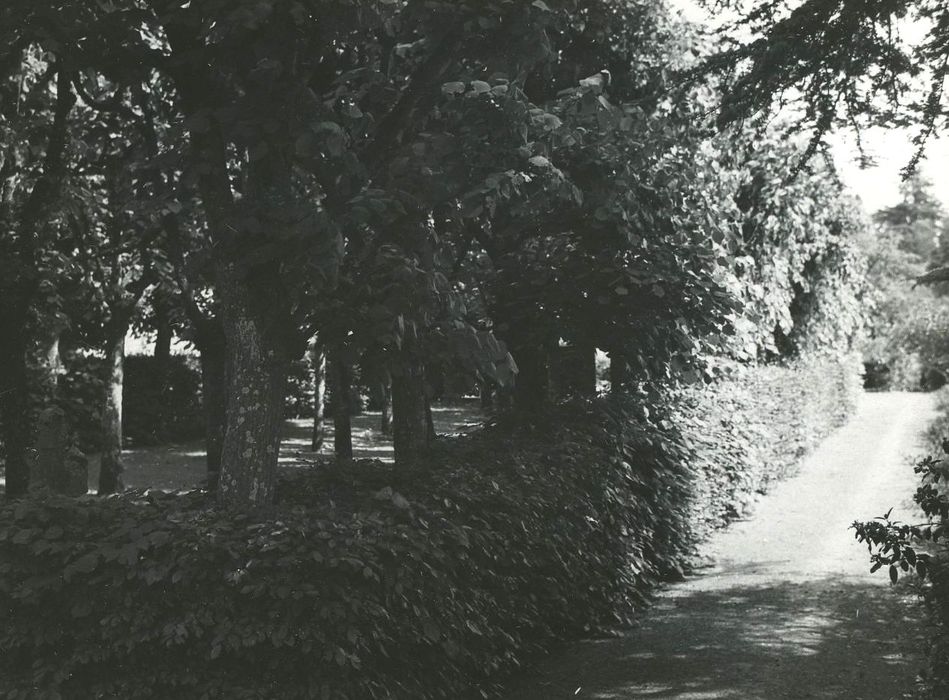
x=256, y=383
x=342, y=408
x=318, y=360
x=410, y=434
x=110, y=472
x=532, y=384
x=51, y=363
x=163, y=339
x=214, y=396
x=619, y=371
x=486, y=393
x=15, y=415
x=385, y=423
x=429, y=420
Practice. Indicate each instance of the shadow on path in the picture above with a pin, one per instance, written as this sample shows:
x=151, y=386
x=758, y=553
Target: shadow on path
x=820, y=639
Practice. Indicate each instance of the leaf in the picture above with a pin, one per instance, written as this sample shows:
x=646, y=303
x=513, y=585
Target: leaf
x=453, y=88
x=539, y=161
x=894, y=574
x=399, y=501
x=541, y=5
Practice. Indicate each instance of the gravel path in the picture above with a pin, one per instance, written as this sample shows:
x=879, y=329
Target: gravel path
x=789, y=609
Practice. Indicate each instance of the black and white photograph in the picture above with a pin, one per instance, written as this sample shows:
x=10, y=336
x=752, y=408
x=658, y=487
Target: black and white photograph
x=474, y=349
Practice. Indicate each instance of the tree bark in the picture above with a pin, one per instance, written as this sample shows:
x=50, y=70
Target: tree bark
x=110, y=472
x=14, y=406
x=257, y=363
x=260, y=332
x=318, y=360
x=342, y=407
x=210, y=345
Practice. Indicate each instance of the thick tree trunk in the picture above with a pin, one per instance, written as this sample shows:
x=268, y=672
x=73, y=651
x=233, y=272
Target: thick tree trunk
x=256, y=383
x=410, y=433
x=15, y=415
x=110, y=472
x=214, y=397
x=318, y=360
x=342, y=408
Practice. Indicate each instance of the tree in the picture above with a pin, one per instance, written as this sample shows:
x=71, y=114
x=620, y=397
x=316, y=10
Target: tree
x=36, y=100
x=839, y=62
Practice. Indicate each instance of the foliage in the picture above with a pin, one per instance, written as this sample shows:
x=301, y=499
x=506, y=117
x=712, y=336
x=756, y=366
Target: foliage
x=794, y=264
x=80, y=395
x=156, y=409
x=412, y=590
x=841, y=63
x=161, y=408
x=363, y=583
x=923, y=548
x=908, y=331
x=751, y=426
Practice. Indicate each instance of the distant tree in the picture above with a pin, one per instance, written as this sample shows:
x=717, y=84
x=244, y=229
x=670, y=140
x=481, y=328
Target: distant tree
x=917, y=220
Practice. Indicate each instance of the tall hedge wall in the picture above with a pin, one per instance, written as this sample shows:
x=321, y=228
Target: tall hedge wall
x=753, y=426
x=366, y=584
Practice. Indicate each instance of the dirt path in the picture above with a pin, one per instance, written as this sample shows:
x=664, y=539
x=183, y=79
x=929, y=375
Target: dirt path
x=789, y=610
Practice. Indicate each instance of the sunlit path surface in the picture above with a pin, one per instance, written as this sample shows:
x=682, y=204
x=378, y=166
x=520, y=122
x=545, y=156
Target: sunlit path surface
x=789, y=610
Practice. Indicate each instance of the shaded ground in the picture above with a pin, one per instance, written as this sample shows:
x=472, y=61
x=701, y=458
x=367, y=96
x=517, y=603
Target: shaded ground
x=789, y=609
x=183, y=466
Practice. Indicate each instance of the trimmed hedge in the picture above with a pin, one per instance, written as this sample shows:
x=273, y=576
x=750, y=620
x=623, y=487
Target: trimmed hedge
x=417, y=590
x=752, y=427
x=362, y=583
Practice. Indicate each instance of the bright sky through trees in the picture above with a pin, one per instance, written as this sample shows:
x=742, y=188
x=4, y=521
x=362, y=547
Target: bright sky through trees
x=891, y=150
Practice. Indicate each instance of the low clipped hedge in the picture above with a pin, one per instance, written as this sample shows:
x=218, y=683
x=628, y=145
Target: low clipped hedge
x=357, y=586
x=363, y=582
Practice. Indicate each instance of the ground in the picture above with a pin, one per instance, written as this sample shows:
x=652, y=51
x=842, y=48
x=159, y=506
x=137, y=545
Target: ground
x=789, y=608
x=182, y=466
